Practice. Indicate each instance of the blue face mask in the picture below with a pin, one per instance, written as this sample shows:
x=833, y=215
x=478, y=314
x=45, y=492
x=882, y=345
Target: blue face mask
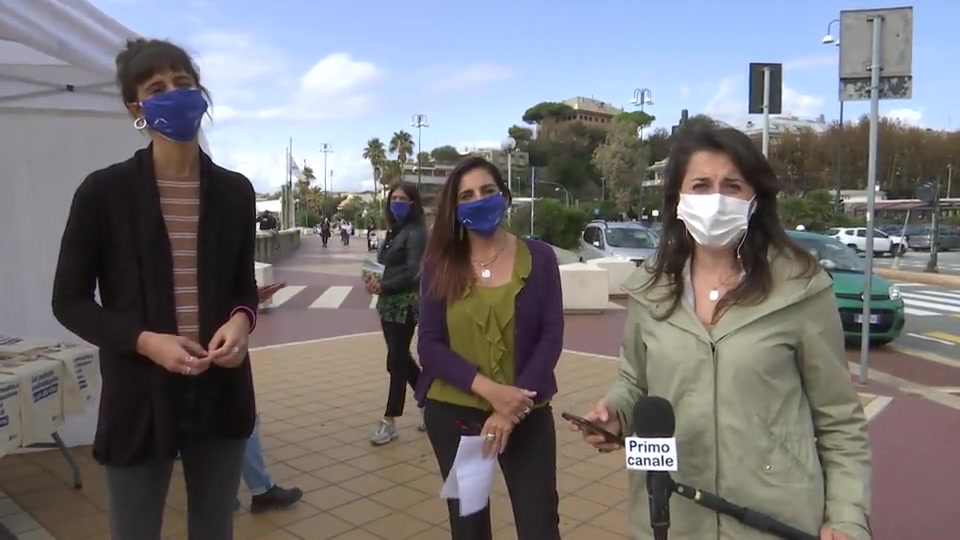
x=482, y=216
x=176, y=114
x=400, y=210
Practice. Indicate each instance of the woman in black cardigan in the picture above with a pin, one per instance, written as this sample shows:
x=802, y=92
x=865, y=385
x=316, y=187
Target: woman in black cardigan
x=167, y=238
x=399, y=300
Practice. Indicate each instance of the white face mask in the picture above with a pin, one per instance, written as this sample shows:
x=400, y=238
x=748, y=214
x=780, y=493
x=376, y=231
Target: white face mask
x=715, y=220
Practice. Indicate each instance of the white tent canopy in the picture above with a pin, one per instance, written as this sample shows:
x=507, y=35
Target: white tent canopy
x=61, y=118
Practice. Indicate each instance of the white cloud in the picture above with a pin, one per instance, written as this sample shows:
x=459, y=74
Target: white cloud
x=231, y=62
x=464, y=78
x=240, y=70
x=729, y=102
x=266, y=168
x=907, y=116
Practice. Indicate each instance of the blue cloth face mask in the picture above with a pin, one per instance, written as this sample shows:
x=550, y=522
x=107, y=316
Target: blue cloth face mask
x=176, y=114
x=400, y=210
x=482, y=216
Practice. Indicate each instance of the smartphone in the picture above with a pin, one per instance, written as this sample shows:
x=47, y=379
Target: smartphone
x=587, y=425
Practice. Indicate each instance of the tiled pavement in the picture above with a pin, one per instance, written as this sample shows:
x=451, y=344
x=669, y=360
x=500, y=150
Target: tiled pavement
x=319, y=403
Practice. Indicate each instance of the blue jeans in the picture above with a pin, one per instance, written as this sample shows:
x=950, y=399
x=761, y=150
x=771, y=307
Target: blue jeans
x=255, y=474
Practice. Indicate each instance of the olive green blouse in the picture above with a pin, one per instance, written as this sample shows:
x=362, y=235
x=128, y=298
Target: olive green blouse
x=481, y=330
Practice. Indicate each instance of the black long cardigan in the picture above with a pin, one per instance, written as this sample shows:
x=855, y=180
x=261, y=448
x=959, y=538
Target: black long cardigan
x=115, y=236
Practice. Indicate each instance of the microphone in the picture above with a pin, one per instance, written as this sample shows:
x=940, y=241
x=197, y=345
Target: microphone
x=653, y=449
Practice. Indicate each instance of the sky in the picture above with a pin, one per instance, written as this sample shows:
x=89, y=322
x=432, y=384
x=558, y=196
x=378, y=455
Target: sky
x=343, y=72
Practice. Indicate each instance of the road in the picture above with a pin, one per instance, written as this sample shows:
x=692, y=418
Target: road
x=916, y=261
x=933, y=320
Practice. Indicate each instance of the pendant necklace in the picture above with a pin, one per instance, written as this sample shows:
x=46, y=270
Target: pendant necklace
x=714, y=295
x=485, y=271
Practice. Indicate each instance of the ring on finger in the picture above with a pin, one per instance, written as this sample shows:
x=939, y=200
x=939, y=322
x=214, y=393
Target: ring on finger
x=234, y=351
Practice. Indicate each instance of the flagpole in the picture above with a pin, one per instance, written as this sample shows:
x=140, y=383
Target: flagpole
x=289, y=202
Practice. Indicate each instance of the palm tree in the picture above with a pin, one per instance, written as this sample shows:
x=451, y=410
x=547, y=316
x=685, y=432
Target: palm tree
x=303, y=184
x=402, y=145
x=392, y=172
x=314, y=199
x=376, y=154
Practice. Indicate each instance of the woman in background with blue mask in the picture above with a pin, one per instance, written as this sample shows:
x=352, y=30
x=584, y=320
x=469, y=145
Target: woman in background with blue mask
x=491, y=332
x=398, y=300
x=166, y=238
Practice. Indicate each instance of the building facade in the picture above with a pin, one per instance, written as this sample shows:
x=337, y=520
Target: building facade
x=589, y=111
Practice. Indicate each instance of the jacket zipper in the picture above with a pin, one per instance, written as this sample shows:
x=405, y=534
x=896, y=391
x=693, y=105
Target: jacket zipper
x=716, y=428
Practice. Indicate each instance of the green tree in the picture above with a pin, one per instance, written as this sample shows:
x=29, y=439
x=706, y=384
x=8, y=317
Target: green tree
x=814, y=211
x=401, y=145
x=303, y=183
x=423, y=158
x=554, y=222
x=658, y=143
x=523, y=136
x=637, y=118
x=392, y=172
x=622, y=160
x=445, y=154
x=565, y=158
x=547, y=110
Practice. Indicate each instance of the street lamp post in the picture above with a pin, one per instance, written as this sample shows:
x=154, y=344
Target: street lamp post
x=641, y=97
x=419, y=121
x=828, y=39
x=559, y=187
x=325, y=148
x=508, y=145
x=377, y=188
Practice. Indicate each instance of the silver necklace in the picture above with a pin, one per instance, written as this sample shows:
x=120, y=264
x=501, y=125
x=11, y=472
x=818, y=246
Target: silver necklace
x=714, y=295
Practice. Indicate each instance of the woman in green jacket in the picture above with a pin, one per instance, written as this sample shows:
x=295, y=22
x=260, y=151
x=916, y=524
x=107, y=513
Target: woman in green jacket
x=739, y=329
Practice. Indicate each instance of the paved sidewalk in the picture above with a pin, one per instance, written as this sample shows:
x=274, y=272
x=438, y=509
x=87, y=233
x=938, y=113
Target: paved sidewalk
x=319, y=403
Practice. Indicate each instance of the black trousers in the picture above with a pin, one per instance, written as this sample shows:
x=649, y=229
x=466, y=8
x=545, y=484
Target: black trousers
x=529, y=466
x=401, y=366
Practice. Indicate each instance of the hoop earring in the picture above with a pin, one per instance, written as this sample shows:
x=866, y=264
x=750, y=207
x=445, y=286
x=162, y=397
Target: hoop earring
x=140, y=123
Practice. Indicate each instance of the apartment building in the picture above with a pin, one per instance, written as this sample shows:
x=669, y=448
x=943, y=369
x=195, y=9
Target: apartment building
x=589, y=111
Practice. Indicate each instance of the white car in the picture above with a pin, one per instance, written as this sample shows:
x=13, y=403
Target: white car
x=856, y=238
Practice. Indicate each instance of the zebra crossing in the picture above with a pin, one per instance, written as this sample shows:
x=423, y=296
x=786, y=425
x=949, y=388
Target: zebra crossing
x=924, y=301
x=330, y=297
x=917, y=265
x=322, y=297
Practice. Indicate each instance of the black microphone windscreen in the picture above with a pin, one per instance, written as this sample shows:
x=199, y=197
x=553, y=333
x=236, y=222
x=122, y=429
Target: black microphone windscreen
x=653, y=418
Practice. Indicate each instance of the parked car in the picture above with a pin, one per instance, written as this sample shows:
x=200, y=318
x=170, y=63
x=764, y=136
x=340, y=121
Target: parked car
x=625, y=240
x=921, y=238
x=845, y=266
x=856, y=238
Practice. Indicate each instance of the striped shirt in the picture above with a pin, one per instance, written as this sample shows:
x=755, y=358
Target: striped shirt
x=180, y=206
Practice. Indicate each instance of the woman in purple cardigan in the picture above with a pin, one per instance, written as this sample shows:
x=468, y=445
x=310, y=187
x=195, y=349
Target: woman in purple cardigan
x=490, y=335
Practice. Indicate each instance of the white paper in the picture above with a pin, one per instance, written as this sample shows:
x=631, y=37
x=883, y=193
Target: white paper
x=471, y=477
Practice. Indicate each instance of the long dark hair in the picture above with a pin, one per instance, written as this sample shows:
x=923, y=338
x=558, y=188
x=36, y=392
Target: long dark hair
x=764, y=233
x=447, y=258
x=416, y=204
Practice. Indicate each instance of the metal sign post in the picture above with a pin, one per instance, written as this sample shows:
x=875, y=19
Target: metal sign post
x=766, y=95
x=880, y=71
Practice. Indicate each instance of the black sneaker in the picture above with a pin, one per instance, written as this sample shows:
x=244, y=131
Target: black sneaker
x=276, y=498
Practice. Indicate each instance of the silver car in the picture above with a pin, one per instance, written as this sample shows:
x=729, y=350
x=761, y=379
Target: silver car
x=625, y=240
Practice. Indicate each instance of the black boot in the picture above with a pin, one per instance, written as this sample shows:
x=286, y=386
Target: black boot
x=275, y=498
